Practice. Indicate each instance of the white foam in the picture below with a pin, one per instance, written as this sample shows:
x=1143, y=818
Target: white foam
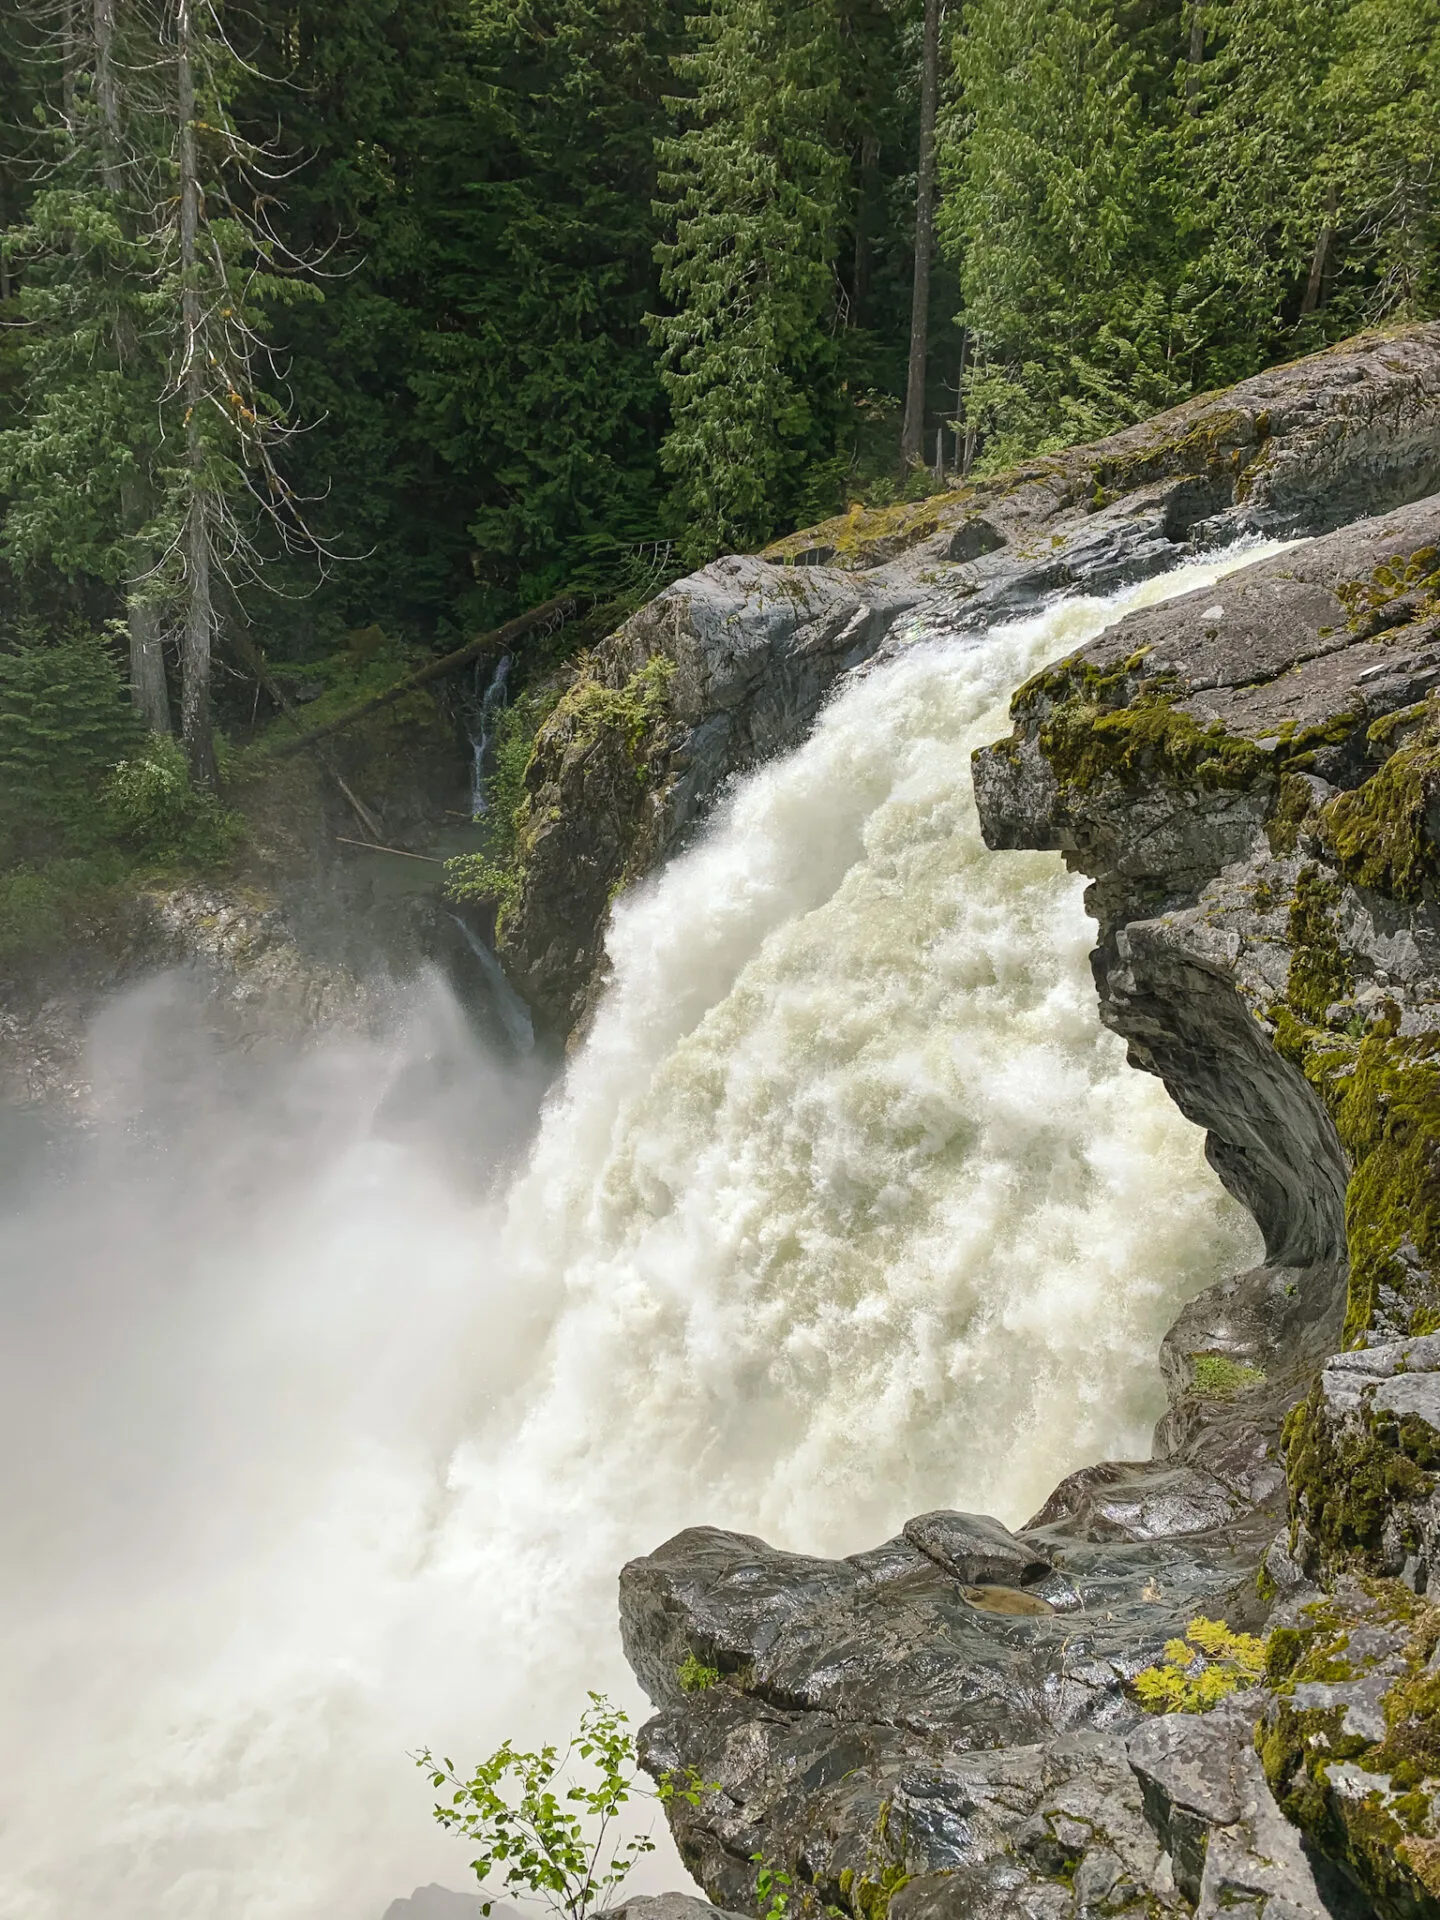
x=315, y=1452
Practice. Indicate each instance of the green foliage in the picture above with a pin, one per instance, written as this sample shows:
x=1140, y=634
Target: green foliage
x=87, y=802
x=153, y=809
x=544, y=1823
x=1200, y=1671
x=64, y=724
x=751, y=186
x=695, y=1677
x=772, y=1888
x=493, y=875
x=40, y=906
x=1061, y=235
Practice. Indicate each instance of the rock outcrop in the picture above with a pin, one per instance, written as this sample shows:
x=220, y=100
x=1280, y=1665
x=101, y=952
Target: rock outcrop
x=731, y=665
x=1250, y=775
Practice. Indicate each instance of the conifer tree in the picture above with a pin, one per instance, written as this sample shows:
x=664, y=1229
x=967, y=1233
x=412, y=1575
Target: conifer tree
x=86, y=299
x=1056, y=218
x=751, y=188
x=150, y=259
x=1251, y=182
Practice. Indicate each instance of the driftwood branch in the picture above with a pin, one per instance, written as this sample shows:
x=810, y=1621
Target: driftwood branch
x=563, y=607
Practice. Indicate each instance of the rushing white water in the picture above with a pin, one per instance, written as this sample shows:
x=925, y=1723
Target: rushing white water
x=313, y=1449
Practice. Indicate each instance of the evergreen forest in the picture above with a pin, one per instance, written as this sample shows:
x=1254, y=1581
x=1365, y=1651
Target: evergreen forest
x=398, y=317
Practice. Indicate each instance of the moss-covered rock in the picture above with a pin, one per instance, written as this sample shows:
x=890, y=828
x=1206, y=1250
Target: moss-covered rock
x=1350, y=1742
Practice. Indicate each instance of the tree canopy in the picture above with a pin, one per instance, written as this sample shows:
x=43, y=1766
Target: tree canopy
x=476, y=301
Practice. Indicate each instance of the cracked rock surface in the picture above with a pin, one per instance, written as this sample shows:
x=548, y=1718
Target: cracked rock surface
x=1250, y=776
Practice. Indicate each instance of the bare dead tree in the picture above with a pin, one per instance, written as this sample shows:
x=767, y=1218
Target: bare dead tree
x=912, y=432
x=148, y=692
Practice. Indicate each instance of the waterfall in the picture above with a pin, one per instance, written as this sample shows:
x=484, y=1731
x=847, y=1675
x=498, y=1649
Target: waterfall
x=317, y=1444
x=483, y=736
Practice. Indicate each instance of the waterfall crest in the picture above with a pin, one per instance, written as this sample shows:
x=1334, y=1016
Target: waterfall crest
x=846, y=1209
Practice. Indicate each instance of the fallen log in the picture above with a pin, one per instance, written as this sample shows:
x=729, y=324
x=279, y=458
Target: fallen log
x=562, y=608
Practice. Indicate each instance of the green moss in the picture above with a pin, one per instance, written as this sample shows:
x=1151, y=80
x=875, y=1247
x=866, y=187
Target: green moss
x=1320, y=973
x=589, y=711
x=1415, y=575
x=1344, y=1485
x=1120, y=721
x=1387, y=1113
x=870, y=1899
x=1294, y=803
x=867, y=536
x=1217, y=1377
x=1094, y=721
x=1380, y=832
x=589, y=717
x=1385, y=1838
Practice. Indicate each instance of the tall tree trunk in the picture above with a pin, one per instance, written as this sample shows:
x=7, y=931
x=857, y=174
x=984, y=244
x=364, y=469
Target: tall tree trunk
x=1320, y=259
x=1194, y=57
x=912, y=433
x=199, y=602
x=148, y=693
x=971, y=429
x=67, y=60
x=860, y=278
x=107, y=92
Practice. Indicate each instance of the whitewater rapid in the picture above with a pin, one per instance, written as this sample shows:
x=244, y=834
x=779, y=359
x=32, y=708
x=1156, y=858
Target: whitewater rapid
x=319, y=1442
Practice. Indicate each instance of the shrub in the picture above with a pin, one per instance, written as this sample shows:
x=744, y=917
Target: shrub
x=64, y=722
x=547, y=1829
x=151, y=805
x=694, y=1676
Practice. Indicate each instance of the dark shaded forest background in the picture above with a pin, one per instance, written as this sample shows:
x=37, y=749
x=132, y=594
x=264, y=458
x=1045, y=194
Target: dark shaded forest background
x=394, y=317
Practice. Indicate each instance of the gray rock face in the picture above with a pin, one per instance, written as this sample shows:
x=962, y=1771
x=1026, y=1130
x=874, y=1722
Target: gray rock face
x=1251, y=776
x=1374, y=1414
x=881, y=1735
x=439, y=1903
x=665, y=1906
x=755, y=644
x=879, y=1727
x=1212, y=873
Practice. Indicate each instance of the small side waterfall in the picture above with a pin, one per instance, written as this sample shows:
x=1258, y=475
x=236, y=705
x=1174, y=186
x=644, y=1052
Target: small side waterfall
x=482, y=737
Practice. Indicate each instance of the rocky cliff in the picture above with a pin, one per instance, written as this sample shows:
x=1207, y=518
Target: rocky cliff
x=731, y=665
x=949, y=1723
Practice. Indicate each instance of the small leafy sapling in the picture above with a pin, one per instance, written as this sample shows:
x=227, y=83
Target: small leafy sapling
x=546, y=1823
x=772, y=1888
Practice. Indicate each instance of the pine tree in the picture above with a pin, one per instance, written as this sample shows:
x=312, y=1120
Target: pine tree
x=538, y=382
x=1251, y=181
x=751, y=190
x=86, y=302
x=1055, y=221
x=1380, y=101
x=149, y=264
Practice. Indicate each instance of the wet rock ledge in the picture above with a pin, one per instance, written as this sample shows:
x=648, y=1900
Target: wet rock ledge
x=947, y=1724
x=730, y=666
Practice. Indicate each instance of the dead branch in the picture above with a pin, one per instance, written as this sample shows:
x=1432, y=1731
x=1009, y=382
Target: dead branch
x=562, y=608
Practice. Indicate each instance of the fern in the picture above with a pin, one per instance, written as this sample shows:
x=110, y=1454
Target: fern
x=1198, y=1672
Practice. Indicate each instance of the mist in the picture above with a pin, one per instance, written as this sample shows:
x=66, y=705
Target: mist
x=337, y=1385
